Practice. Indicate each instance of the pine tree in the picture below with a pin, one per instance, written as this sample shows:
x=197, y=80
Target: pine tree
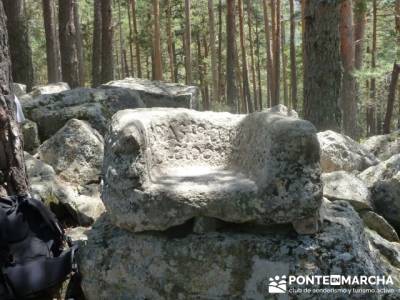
x=52, y=43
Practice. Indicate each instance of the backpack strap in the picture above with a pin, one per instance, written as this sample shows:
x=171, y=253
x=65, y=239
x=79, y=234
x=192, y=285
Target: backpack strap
x=29, y=279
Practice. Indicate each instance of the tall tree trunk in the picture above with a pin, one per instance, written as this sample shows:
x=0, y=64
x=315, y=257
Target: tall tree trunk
x=245, y=72
x=170, y=40
x=260, y=98
x=79, y=45
x=125, y=63
x=221, y=85
x=96, y=53
x=293, y=65
x=20, y=49
x=68, y=43
x=132, y=68
x=284, y=66
x=136, y=40
x=157, y=62
x=213, y=50
x=200, y=71
x=188, y=43
x=322, y=66
x=107, y=41
x=391, y=98
x=348, y=95
x=270, y=76
x=121, y=40
x=175, y=56
x=276, y=24
x=231, y=57
x=275, y=80
x=52, y=45
x=13, y=173
x=397, y=16
x=206, y=53
x=253, y=68
x=117, y=70
x=360, y=11
x=303, y=54
x=373, y=66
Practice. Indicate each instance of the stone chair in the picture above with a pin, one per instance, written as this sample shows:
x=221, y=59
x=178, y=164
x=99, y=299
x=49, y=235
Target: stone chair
x=165, y=166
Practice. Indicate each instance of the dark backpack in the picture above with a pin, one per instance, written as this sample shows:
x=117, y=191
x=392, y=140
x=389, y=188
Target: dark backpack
x=32, y=259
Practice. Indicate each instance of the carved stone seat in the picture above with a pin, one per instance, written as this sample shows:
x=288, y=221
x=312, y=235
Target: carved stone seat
x=164, y=166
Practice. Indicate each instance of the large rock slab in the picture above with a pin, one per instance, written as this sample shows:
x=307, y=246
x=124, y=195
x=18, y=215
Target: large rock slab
x=384, y=182
x=160, y=94
x=51, y=88
x=163, y=167
x=96, y=106
x=80, y=205
x=75, y=152
x=340, y=152
x=341, y=185
x=117, y=264
x=384, y=146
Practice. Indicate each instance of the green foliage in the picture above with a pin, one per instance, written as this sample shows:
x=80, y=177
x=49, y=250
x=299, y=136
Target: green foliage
x=388, y=43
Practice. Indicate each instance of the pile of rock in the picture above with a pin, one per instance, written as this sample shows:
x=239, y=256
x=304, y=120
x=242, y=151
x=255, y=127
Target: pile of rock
x=355, y=173
x=52, y=106
x=168, y=233
x=65, y=147
x=148, y=246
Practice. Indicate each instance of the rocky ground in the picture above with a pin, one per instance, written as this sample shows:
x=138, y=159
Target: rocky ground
x=359, y=215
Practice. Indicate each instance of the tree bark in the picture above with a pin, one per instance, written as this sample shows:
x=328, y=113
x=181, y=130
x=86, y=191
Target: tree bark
x=52, y=45
x=293, y=65
x=158, y=70
x=68, y=43
x=121, y=41
x=213, y=50
x=221, y=85
x=260, y=97
x=96, y=53
x=360, y=11
x=107, y=41
x=397, y=16
x=132, y=68
x=391, y=98
x=79, y=44
x=270, y=76
x=13, y=177
x=284, y=65
x=276, y=24
x=136, y=40
x=322, y=65
x=188, y=43
x=374, y=105
x=20, y=49
x=205, y=71
x=245, y=72
x=231, y=57
x=348, y=93
x=170, y=40
x=303, y=54
x=253, y=68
